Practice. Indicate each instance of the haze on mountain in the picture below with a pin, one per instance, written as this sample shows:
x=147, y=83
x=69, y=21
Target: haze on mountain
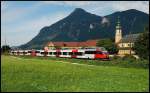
x=81, y=26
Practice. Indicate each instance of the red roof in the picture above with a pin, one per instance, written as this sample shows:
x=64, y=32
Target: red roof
x=74, y=44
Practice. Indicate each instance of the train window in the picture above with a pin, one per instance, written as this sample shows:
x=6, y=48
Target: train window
x=57, y=53
x=54, y=53
x=78, y=53
x=37, y=51
x=70, y=53
x=64, y=53
x=24, y=52
x=87, y=52
x=50, y=53
x=21, y=52
x=90, y=52
x=42, y=52
x=98, y=52
x=29, y=51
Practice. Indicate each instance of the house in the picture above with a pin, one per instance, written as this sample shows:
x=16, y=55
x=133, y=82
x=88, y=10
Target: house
x=89, y=43
x=126, y=43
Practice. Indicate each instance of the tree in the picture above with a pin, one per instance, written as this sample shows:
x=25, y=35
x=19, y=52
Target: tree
x=108, y=44
x=5, y=49
x=141, y=46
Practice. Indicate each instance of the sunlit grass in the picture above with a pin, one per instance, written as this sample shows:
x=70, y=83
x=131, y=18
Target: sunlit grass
x=35, y=74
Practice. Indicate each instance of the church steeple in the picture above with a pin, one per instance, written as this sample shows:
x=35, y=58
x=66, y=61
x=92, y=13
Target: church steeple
x=118, y=35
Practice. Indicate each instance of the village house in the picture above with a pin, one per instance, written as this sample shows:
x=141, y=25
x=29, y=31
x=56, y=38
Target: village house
x=71, y=45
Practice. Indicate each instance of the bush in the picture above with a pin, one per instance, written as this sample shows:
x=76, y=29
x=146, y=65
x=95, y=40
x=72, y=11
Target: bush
x=143, y=63
x=115, y=57
x=130, y=58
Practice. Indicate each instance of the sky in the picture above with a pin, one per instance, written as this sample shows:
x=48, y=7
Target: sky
x=22, y=20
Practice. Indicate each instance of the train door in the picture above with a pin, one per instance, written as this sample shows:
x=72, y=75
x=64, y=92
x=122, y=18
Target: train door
x=89, y=53
x=33, y=53
x=45, y=53
x=18, y=52
x=58, y=52
x=74, y=52
x=24, y=52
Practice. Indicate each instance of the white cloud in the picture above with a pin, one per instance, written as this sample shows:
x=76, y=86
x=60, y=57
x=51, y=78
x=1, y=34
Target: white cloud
x=27, y=30
x=14, y=14
x=125, y=5
x=68, y=3
x=31, y=27
x=97, y=6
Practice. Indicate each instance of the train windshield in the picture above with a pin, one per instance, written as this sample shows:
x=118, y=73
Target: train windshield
x=98, y=52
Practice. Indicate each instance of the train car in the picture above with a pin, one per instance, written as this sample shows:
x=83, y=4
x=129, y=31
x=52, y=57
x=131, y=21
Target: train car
x=39, y=53
x=20, y=52
x=27, y=52
x=96, y=53
x=65, y=53
x=80, y=53
x=12, y=52
x=85, y=53
x=15, y=52
x=52, y=53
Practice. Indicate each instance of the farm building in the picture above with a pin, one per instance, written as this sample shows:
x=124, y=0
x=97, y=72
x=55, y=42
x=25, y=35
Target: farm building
x=89, y=43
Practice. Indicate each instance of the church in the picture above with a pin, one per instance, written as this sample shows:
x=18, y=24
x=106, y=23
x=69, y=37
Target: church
x=126, y=42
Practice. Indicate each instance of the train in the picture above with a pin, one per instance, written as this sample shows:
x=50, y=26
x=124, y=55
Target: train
x=84, y=53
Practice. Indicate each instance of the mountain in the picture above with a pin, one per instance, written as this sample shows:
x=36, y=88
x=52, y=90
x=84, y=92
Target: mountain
x=81, y=26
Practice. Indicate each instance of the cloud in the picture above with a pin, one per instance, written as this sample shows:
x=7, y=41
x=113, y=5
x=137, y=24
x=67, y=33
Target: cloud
x=27, y=30
x=125, y=5
x=11, y=15
x=20, y=26
x=97, y=6
x=68, y=3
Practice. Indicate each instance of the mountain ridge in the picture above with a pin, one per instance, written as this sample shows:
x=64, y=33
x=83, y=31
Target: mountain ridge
x=81, y=26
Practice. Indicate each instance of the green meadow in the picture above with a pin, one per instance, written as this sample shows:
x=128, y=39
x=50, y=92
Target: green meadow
x=26, y=74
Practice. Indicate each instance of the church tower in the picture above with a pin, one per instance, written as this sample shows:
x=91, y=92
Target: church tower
x=118, y=35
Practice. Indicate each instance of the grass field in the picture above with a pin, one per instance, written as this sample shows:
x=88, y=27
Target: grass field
x=35, y=75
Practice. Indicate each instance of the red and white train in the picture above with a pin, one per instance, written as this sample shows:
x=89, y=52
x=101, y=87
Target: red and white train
x=86, y=53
